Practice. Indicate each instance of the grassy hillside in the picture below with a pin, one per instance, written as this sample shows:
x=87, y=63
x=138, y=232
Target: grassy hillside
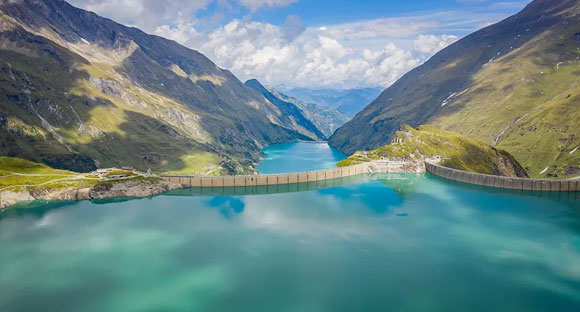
x=78, y=91
x=18, y=174
x=455, y=150
x=513, y=85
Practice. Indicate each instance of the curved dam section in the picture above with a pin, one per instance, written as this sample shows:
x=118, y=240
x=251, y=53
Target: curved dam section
x=269, y=179
x=571, y=185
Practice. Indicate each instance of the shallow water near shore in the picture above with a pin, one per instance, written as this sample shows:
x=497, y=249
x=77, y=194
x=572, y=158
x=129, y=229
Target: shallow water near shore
x=390, y=242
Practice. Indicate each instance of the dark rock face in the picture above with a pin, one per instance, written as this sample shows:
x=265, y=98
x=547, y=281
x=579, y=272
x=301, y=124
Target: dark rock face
x=77, y=163
x=74, y=83
x=572, y=170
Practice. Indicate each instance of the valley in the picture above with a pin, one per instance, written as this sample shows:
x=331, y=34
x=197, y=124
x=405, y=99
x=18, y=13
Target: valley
x=513, y=85
x=289, y=155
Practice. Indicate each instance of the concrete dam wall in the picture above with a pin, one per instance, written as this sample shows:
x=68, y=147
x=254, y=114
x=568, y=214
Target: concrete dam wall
x=286, y=179
x=271, y=179
x=504, y=182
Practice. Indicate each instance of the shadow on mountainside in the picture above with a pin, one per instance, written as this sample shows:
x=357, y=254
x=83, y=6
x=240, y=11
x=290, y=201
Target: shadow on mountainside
x=419, y=95
x=42, y=120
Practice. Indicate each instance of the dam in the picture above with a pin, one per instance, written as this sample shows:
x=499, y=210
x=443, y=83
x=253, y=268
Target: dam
x=569, y=185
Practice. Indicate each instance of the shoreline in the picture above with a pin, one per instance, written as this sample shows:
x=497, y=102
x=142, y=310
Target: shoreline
x=115, y=189
x=155, y=185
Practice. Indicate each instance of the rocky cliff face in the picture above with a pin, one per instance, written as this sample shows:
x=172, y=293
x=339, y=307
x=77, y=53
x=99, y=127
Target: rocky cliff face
x=513, y=85
x=128, y=189
x=80, y=91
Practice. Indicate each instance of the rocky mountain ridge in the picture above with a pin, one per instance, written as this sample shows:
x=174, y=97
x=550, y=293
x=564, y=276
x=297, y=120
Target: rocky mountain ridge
x=79, y=91
x=348, y=101
x=513, y=85
x=326, y=119
x=291, y=114
x=317, y=122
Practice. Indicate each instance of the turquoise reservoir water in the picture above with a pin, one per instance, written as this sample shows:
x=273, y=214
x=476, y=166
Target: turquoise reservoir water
x=381, y=243
x=299, y=156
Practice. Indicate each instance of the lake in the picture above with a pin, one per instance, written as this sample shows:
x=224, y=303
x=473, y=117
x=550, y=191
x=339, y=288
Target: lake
x=389, y=242
x=298, y=157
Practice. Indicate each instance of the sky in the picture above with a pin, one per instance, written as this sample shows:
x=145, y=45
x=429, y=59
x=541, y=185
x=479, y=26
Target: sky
x=311, y=43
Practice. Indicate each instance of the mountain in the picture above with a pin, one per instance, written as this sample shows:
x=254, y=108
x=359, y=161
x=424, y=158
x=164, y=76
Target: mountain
x=513, y=85
x=324, y=118
x=454, y=151
x=291, y=114
x=350, y=101
x=79, y=91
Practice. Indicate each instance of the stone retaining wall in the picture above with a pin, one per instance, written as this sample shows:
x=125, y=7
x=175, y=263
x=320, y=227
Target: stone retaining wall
x=504, y=182
x=272, y=179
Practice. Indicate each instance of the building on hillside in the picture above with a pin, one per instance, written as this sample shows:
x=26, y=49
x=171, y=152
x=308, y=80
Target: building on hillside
x=129, y=168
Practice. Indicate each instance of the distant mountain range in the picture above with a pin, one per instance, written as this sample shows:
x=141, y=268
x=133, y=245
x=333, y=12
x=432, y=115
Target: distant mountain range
x=312, y=120
x=350, y=101
x=290, y=113
x=324, y=118
x=513, y=85
x=78, y=91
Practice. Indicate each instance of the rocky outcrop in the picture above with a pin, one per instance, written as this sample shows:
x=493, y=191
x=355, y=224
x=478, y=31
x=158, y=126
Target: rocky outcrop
x=130, y=188
x=401, y=165
x=8, y=198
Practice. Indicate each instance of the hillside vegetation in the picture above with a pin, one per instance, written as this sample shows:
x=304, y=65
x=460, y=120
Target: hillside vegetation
x=513, y=85
x=78, y=91
x=18, y=174
x=455, y=151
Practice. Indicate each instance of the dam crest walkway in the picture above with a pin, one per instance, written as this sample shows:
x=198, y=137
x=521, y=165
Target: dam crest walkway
x=570, y=185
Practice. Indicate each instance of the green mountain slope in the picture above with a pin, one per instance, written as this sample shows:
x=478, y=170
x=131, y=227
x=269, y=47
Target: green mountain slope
x=79, y=91
x=455, y=151
x=513, y=85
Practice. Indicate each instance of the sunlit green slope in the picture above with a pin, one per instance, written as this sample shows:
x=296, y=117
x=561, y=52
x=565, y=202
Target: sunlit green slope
x=513, y=85
x=450, y=149
x=79, y=91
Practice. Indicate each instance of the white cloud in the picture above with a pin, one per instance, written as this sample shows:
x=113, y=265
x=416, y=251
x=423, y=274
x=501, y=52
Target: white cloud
x=151, y=14
x=254, y=5
x=293, y=27
x=353, y=54
x=430, y=44
x=345, y=55
x=145, y=14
